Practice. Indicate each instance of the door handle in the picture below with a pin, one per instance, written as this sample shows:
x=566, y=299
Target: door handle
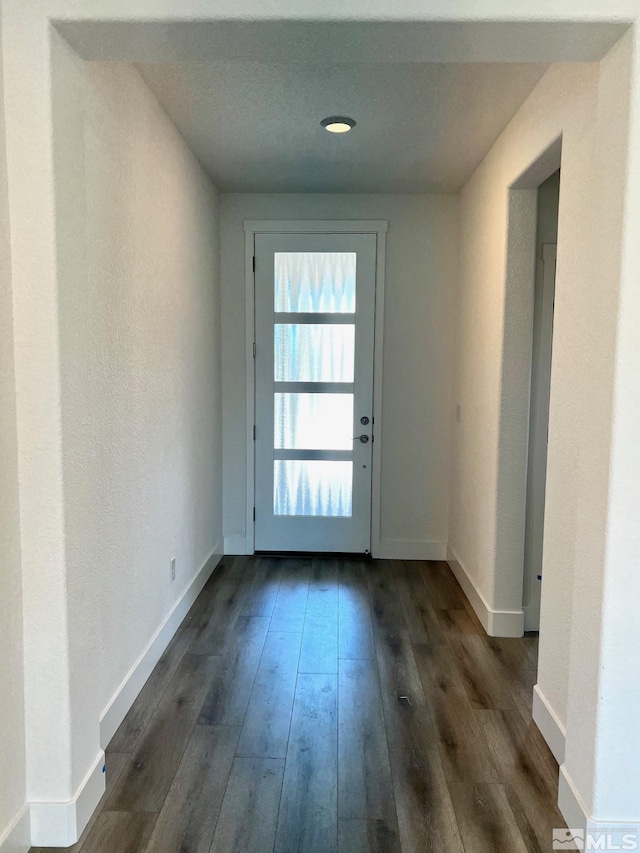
x=363, y=438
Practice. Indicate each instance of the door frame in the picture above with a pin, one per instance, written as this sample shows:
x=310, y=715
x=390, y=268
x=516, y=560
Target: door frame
x=251, y=227
x=539, y=397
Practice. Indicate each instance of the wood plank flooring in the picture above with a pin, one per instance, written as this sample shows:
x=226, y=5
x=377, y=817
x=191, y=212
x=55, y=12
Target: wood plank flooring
x=331, y=706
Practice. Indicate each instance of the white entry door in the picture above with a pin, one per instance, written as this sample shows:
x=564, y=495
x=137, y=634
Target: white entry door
x=315, y=307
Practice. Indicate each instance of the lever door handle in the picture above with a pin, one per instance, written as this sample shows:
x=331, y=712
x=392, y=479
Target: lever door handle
x=363, y=438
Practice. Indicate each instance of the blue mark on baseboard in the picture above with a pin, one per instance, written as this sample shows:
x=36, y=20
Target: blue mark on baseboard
x=104, y=768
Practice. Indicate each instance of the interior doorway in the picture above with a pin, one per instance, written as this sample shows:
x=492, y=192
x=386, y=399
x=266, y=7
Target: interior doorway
x=314, y=421
x=548, y=195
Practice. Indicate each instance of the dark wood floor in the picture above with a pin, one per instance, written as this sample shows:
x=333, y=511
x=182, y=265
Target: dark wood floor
x=333, y=706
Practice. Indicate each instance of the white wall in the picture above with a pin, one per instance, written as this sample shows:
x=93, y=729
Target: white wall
x=140, y=360
x=588, y=106
x=561, y=104
x=120, y=457
x=420, y=280
x=27, y=79
x=12, y=755
x=603, y=730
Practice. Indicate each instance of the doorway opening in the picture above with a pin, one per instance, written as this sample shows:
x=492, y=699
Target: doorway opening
x=548, y=195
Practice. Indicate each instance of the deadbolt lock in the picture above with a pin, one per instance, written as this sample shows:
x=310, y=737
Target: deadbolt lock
x=364, y=421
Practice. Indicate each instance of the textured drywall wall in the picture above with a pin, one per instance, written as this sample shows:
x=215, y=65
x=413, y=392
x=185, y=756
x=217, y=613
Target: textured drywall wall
x=27, y=80
x=603, y=730
x=313, y=31
x=140, y=373
x=12, y=755
x=587, y=105
x=420, y=281
x=153, y=296
x=366, y=10
x=486, y=532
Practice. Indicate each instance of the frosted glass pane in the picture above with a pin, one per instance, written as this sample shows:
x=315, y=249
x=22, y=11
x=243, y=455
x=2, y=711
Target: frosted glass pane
x=315, y=282
x=313, y=421
x=312, y=487
x=313, y=352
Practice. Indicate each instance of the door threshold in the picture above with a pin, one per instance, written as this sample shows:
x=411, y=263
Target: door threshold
x=322, y=555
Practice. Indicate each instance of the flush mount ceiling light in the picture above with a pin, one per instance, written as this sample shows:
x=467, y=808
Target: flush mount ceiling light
x=338, y=124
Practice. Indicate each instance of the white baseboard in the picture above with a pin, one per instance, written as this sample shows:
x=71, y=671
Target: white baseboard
x=125, y=695
x=549, y=724
x=236, y=545
x=62, y=824
x=410, y=549
x=569, y=802
x=17, y=836
x=574, y=812
x=497, y=623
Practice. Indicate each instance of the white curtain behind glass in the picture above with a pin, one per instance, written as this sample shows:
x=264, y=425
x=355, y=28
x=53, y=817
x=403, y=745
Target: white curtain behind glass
x=312, y=487
x=315, y=282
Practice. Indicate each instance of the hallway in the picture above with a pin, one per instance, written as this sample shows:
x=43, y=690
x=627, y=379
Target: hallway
x=330, y=704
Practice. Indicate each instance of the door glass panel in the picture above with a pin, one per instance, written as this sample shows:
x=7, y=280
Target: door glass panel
x=307, y=352
x=315, y=282
x=312, y=487
x=313, y=421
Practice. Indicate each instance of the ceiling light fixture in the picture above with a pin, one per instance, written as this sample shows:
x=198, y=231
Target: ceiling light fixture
x=338, y=124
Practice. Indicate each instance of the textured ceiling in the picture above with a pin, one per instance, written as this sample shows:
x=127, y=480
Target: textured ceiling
x=422, y=127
